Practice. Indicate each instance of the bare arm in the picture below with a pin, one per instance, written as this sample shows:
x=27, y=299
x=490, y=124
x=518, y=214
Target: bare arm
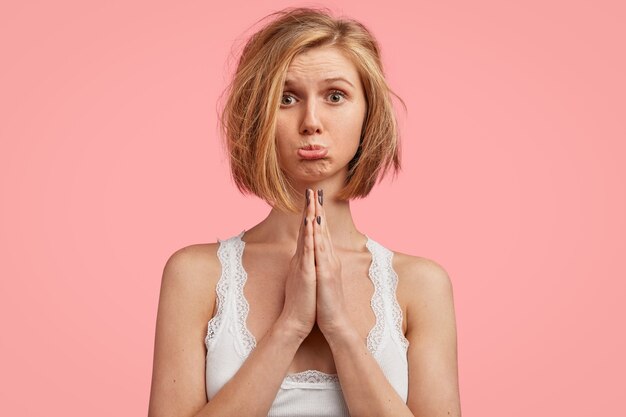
x=431, y=331
x=253, y=389
x=178, y=386
x=178, y=380
x=433, y=363
x=365, y=388
x=432, y=355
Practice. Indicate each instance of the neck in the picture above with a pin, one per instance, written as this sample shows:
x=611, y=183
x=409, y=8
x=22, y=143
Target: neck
x=283, y=227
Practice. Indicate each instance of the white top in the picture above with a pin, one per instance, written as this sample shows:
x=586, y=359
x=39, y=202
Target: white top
x=308, y=393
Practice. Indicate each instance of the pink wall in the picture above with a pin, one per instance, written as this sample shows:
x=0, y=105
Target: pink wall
x=514, y=148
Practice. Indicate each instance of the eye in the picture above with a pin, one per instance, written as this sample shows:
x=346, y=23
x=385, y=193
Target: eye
x=286, y=96
x=336, y=96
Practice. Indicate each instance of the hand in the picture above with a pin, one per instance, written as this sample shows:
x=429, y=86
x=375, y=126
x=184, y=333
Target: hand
x=300, y=287
x=332, y=314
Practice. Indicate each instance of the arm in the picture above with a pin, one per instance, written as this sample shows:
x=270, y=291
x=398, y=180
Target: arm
x=431, y=331
x=178, y=387
x=178, y=379
x=432, y=354
x=366, y=390
x=253, y=389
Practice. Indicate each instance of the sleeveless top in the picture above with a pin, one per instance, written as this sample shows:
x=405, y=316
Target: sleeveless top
x=309, y=393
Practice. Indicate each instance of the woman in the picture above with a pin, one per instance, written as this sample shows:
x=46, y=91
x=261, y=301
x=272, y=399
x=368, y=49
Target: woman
x=307, y=316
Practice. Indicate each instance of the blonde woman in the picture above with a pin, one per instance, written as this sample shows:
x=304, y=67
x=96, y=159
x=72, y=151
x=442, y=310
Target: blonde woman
x=303, y=314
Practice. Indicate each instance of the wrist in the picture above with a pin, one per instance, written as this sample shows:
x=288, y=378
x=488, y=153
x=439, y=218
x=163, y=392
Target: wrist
x=288, y=332
x=342, y=336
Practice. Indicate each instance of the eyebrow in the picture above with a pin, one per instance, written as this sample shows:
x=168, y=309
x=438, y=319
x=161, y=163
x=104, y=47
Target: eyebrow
x=327, y=80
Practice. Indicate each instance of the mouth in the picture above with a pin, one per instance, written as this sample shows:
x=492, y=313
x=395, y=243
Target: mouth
x=311, y=152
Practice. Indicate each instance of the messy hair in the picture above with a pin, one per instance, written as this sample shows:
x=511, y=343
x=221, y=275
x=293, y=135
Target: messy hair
x=248, y=118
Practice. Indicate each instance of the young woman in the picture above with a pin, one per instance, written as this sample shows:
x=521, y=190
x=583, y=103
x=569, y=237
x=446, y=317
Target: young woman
x=307, y=315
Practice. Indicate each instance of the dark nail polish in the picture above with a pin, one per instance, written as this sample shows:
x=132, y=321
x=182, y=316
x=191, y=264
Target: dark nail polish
x=319, y=220
x=320, y=197
x=305, y=221
x=308, y=198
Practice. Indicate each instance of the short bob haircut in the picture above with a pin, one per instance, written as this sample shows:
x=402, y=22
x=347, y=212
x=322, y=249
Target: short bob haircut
x=248, y=119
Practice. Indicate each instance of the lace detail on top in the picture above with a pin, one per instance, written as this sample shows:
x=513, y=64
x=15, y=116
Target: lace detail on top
x=248, y=340
x=312, y=377
x=232, y=267
x=381, y=266
x=396, y=312
x=376, y=333
x=233, y=279
x=222, y=291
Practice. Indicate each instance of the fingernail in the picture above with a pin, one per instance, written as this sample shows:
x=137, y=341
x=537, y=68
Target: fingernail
x=308, y=198
x=319, y=220
x=320, y=197
x=305, y=221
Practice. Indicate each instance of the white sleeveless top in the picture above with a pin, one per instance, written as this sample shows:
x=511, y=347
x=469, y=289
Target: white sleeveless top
x=308, y=393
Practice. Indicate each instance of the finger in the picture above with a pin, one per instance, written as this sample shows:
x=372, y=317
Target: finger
x=308, y=223
x=322, y=214
x=322, y=226
x=303, y=221
x=321, y=243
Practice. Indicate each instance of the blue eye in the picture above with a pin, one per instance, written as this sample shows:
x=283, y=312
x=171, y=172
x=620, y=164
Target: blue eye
x=337, y=93
x=282, y=101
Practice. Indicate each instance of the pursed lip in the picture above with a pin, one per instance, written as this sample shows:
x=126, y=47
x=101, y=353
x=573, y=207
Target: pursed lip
x=312, y=147
x=312, y=152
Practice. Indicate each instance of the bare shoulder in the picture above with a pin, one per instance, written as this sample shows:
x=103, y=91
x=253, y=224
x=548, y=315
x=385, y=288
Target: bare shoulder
x=420, y=272
x=193, y=272
x=186, y=303
x=194, y=259
x=423, y=284
x=426, y=291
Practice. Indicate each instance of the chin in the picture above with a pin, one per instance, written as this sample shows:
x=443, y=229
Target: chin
x=305, y=176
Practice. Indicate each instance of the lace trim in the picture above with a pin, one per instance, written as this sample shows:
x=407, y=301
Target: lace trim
x=375, y=335
x=222, y=290
x=382, y=266
x=230, y=253
x=240, y=277
x=312, y=376
x=396, y=311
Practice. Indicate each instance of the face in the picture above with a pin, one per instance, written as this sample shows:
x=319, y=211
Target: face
x=321, y=114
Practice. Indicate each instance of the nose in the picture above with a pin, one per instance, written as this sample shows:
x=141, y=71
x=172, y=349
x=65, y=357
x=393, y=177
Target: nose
x=311, y=123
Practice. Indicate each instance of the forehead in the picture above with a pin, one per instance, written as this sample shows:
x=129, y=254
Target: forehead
x=321, y=63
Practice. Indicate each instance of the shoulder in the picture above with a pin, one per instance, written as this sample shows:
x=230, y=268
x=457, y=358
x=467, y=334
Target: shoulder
x=193, y=259
x=191, y=274
x=418, y=271
x=431, y=333
x=192, y=264
x=185, y=305
x=423, y=285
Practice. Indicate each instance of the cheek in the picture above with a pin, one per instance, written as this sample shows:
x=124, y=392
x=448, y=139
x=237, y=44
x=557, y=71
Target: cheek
x=354, y=128
x=282, y=131
x=280, y=135
x=282, y=144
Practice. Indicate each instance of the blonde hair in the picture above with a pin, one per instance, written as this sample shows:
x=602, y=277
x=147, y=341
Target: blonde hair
x=248, y=119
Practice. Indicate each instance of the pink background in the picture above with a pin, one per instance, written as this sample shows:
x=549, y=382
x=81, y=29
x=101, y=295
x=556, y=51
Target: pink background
x=513, y=180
